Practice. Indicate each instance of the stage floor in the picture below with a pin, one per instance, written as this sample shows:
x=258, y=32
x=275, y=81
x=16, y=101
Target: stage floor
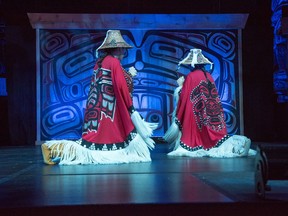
x=165, y=186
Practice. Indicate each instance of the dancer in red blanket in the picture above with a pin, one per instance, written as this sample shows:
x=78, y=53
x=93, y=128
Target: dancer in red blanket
x=113, y=131
x=199, y=127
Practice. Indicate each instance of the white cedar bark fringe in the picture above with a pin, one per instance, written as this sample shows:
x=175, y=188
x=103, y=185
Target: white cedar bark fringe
x=73, y=153
x=172, y=136
x=144, y=129
x=176, y=99
x=173, y=131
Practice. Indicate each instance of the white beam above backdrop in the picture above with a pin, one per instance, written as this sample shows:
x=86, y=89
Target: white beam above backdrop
x=137, y=21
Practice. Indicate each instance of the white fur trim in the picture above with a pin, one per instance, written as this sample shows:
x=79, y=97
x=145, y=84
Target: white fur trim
x=181, y=152
x=234, y=146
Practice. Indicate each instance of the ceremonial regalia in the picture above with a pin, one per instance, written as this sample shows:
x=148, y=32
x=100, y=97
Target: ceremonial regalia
x=113, y=131
x=199, y=127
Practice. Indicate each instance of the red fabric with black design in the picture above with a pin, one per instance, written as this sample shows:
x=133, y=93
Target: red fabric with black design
x=107, y=116
x=200, y=112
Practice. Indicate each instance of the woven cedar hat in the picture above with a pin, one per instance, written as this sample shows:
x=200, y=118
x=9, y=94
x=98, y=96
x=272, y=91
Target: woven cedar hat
x=195, y=56
x=114, y=39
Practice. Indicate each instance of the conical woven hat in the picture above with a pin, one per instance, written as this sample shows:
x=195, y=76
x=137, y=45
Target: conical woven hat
x=114, y=39
x=195, y=56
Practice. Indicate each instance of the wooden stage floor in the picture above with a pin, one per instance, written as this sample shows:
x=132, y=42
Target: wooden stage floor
x=165, y=186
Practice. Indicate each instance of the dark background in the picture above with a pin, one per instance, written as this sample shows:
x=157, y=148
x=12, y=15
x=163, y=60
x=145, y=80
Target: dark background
x=265, y=120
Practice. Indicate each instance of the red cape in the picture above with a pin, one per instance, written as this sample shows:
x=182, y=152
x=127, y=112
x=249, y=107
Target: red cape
x=107, y=121
x=199, y=113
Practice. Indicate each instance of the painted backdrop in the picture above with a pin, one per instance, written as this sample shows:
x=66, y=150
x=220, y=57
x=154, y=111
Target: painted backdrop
x=67, y=58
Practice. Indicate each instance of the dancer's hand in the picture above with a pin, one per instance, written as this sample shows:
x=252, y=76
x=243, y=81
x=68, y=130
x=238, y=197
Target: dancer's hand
x=132, y=71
